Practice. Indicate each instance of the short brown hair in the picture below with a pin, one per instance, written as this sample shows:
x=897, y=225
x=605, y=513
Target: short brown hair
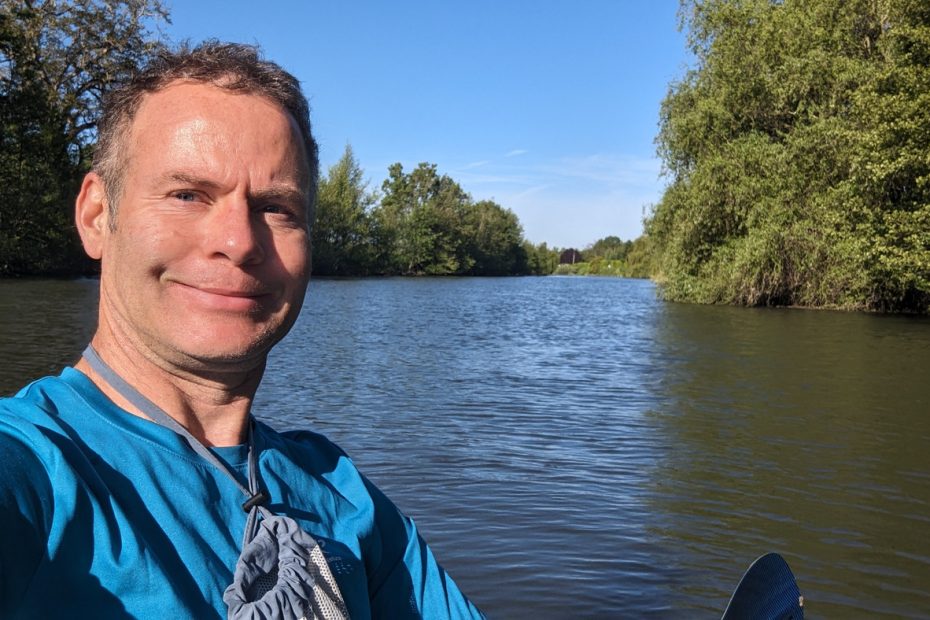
x=232, y=66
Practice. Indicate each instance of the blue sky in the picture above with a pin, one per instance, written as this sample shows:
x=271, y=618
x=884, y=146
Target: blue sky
x=549, y=108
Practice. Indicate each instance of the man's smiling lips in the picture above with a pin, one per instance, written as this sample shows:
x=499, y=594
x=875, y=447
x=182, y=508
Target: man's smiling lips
x=223, y=298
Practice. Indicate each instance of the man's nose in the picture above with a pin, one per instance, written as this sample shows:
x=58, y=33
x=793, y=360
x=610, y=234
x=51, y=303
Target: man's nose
x=236, y=233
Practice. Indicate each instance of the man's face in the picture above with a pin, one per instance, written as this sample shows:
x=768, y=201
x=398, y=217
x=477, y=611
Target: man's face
x=209, y=259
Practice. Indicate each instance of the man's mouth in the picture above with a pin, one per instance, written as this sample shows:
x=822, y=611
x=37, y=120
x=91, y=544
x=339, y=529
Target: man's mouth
x=224, y=298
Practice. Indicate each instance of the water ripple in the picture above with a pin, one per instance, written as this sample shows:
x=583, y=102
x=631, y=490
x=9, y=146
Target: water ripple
x=572, y=447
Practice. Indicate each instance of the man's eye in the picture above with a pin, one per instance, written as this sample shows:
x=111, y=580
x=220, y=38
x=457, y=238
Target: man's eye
x=185, y=196
x=281, y=215
x=280, y=210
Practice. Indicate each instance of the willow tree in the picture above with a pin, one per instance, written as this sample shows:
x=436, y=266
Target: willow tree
x=796, y=151
x=56, y=59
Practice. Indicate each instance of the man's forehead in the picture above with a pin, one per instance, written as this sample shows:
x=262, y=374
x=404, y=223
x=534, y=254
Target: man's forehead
x=190, y=102
x=188, y=95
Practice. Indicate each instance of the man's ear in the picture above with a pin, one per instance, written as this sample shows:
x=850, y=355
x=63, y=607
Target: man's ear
x=91, y=214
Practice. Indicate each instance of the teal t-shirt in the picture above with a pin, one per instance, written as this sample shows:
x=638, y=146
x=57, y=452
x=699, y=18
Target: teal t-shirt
x=104, y=514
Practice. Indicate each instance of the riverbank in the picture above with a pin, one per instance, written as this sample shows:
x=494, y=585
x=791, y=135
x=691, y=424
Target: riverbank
x=599, y=267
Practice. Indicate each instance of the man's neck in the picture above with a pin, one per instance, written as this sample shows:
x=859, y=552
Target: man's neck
x=214, y=407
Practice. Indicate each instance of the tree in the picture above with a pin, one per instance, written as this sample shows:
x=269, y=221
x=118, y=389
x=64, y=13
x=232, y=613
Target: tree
x=422, y=222
x=342, y=236
x=640, y=259
x=796, y=150
x=540, y=259
x=496, y=244
x=429, y=225
x=889, y=179
x=608, y=248
x=56, y=60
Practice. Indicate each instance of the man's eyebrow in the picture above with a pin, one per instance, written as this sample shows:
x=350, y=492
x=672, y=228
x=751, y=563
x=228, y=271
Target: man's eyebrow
x=187, y=179
x=278, y=191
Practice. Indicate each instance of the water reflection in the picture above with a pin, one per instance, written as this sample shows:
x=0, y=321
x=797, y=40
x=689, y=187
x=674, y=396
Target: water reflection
x=801, y=432
x=44, y=325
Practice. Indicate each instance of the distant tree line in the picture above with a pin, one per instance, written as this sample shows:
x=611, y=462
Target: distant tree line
x=797, y=154
x=421, y=223
x=633, y=257
x=610, y=256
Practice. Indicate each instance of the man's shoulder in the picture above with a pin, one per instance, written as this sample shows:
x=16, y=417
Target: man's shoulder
x=31, y=438
x=34, y=419
x=40, y=402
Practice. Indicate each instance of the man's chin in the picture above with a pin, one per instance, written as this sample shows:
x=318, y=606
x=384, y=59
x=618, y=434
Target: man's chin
x=225, y=356
x=214, y=346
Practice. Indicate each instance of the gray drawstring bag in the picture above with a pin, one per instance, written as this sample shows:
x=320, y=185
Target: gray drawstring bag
x=281, y=572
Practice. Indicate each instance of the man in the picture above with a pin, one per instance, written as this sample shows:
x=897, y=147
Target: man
x=198, y=207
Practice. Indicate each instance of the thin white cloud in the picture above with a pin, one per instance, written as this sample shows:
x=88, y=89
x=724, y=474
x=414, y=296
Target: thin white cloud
x=497, y=177
x=476, y=164
x=529, y=192
x=516, y=152
x=595, y=174
x=566, y=201
x=573, y=201
x=614, y=171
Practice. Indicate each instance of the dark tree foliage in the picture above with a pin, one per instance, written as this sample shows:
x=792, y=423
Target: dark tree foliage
x=343, y=239
x=541, y=260
x=56, y=60
x=797, y=155
x=641, y=258
x=495, y=241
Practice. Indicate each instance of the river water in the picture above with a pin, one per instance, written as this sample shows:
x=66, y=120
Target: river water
x=573, y=447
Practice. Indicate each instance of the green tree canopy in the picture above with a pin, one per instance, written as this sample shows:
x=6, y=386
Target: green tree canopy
x=56, y=60
x=796, y=152
x=343, y=241
x=496, y=244
x=608, y=248
x=424, y=224
x=422, y=217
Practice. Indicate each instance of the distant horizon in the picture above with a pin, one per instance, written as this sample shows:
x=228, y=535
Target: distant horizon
x=549, y=110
